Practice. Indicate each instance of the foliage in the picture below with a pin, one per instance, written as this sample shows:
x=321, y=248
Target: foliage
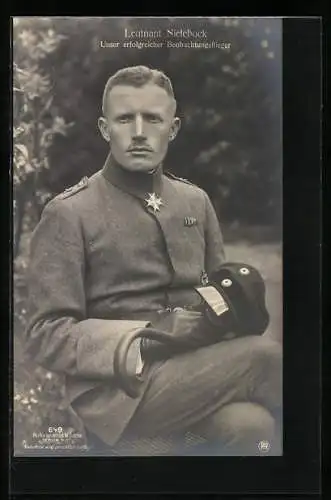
x=35, y=124
x=37, y=393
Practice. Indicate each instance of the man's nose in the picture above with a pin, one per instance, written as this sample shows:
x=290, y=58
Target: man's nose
x=138, y=127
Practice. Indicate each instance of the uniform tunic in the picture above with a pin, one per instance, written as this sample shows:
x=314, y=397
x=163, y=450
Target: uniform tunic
x=100, y=256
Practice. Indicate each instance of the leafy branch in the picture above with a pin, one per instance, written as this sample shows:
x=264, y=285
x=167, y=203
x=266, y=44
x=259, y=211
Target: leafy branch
x=35, y=123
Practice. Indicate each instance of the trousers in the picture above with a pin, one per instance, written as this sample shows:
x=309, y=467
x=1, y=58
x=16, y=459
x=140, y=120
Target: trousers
x=214, y=398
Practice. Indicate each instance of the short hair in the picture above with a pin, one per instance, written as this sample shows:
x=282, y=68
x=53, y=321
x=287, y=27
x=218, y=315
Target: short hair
x=137, y=76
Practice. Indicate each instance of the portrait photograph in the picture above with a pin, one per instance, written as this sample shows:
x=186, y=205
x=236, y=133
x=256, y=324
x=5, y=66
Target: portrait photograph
x=147, y=210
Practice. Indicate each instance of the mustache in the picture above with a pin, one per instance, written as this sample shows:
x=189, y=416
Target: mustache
x=141, y=147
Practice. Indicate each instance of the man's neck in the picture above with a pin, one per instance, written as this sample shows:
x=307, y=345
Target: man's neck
x=137, y=183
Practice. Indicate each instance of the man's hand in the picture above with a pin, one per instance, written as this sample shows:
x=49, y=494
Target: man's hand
x=187, y=330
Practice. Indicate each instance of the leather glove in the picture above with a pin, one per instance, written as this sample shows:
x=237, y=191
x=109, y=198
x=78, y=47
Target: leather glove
x=186, y=329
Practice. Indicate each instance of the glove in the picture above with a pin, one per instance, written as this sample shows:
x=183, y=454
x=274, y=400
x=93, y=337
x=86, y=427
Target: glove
x=183, y=329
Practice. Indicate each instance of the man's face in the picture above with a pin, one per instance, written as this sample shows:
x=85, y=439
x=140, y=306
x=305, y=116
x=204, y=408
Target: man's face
x=138, y=123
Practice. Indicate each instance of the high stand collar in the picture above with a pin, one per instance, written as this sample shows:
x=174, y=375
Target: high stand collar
x=136, y=183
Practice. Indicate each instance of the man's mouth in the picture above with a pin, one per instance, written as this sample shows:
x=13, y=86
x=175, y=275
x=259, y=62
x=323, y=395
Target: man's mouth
x=140, y=150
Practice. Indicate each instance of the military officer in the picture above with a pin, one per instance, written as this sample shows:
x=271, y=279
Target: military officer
x=126, y=242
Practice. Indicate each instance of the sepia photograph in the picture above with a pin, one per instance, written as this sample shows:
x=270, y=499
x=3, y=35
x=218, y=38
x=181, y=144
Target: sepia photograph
x=147, y=236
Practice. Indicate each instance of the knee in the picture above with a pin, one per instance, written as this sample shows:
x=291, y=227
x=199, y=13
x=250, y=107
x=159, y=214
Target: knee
x=241, y=421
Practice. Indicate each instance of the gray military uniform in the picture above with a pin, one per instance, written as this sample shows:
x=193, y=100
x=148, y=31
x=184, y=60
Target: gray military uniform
x=100, y=259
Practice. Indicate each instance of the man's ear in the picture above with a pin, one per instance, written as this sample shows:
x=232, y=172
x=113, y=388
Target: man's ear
x=103, y=127
x=174, y=129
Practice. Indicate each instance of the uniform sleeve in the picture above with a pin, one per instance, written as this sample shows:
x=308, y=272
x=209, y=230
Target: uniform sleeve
x=215, y=252
x=59, y=336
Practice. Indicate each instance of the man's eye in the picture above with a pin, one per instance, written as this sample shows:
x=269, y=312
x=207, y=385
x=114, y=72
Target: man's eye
x=153, y=118
x=124, y=119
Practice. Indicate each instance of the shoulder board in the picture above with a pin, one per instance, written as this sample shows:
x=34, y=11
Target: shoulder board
x=70, y=191
x=173, y=176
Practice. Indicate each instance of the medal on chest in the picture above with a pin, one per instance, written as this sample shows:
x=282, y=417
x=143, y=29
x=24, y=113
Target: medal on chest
x=154, y=202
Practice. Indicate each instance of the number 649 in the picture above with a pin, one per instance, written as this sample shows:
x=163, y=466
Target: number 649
x=55, y=430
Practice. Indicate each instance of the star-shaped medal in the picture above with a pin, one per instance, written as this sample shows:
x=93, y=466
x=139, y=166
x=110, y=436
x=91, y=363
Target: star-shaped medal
x=154, y=202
